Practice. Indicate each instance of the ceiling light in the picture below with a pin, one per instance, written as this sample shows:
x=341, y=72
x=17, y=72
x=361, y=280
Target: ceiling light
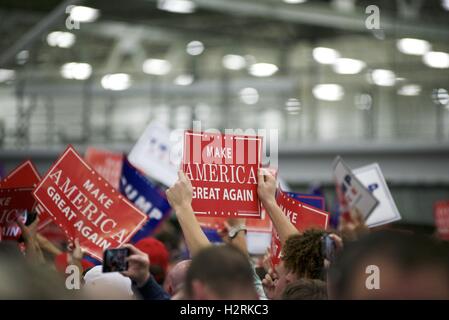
x=383, y=77
x=249, y=95
x=348, y=66
x=234, y=62
x=410, y=90
x=76, y=71
x=6, y=75
x=325, y=55
x=263, y=69
x=328, y=92
x=293, y=105
x=157, y=67
x=195, y=48
x=440, y=96
x=176, y=6
x=84, y=14
x=363, y=101
x=22, y=56
x=445, y=4
x=116, y=81
x=435, y=59
x=412, y=46
x=184, y=80
x=61, y=39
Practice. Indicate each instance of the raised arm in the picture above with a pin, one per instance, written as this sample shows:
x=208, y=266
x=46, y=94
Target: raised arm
x=239, y=237
x=180, y=198
x=32, y=250
x=267, y=193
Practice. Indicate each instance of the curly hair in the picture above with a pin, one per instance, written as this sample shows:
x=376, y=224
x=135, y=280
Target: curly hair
x=302, y=254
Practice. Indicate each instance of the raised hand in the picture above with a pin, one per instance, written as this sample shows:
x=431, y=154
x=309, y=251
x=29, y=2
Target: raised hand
x=180, y=194
x=266, y=187
x=269, y=283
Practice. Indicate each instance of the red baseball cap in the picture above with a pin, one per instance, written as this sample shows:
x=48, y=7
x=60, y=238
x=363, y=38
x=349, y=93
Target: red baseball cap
x=156, y=251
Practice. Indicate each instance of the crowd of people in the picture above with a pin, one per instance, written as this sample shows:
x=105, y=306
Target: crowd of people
x=180, y=262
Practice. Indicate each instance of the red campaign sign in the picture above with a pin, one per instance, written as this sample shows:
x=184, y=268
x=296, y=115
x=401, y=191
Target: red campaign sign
x=301, y=215
x=223, y=171
x=441, y=215
x=263, y=224
x=108, y=164
x=13, y=203
x=24, y=176
x=27, y=176
x=85, y=206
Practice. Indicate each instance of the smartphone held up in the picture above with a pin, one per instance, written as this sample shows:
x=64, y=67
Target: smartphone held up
x=114, y=260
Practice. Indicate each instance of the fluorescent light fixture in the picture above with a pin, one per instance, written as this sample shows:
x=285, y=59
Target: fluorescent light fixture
x=195, y=48
x=348, y=66
x=116, y=81
x=436, y=59
x=84, y=14
x=416, y=47
x=263, y=69
x=6, y=75
x=76, y=71
x=383, y=77
x=234, y=62
x=184, y=80
x=176, y=6
x=157, y=67
x=249, y=95
x=409, y=90
x=328, y=92
x=325, y=55
x=61, y=39
x=294, y=1
x=293, y=105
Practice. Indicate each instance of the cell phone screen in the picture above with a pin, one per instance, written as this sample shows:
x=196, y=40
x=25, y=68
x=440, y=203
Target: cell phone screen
x=114, y=260
x=328, y=248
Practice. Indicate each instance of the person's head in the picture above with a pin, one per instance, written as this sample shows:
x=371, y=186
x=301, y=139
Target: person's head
x=305, y=289
x=220, y=272
x=158, y=255
x=391, y=265
x=301, y=258
x=175, y=279
x=21, y=279
x=110, y=285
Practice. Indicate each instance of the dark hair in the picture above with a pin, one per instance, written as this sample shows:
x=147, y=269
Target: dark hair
x=302, y=254
x=305, y=289
x=223, y=268
x=406, y=251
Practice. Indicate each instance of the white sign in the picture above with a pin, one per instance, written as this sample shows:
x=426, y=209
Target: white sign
x=371, y=177
x=352, y=193
x=158, y=153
